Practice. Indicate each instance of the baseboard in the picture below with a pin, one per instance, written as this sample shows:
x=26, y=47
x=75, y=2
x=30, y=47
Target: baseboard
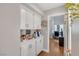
x=45, y=50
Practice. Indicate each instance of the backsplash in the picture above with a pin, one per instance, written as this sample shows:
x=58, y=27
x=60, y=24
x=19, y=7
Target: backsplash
x=29, y=34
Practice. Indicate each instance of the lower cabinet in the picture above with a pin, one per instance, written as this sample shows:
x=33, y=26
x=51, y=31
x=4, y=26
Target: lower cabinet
x=32, y=47
x=38, y=45
x=28, y=48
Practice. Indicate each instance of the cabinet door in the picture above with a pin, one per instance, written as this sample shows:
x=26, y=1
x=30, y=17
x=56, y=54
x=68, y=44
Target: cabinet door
x=26, y=19
x=38, y=47
x=24, y=49
x=41, y=42
x=29, y=20
x=28, y=48
x=38, y=50
x=22, y=19
x=37, y=21
x=31, y=48
x=31, y=51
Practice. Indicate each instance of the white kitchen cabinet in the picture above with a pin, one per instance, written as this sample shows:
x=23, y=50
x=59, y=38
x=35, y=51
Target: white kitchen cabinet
x=41, y=41
x=28, y=48
x=39, y=45
x=30, y=20
x=37, y=21
x=32, y=47
x=26, y=19
x=22, y=23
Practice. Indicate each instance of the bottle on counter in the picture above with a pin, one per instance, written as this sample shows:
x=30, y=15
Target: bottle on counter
x=38, y=33
x=34, y=34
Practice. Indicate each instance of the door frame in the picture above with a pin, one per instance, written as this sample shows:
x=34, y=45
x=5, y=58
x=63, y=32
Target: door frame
x=59, y=14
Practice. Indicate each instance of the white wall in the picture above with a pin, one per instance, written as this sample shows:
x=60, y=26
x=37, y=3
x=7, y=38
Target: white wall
x=9, y=29
x=56, y=11
x=51, y=26
x=59, y=20
x=35, y=8
x=75, y=37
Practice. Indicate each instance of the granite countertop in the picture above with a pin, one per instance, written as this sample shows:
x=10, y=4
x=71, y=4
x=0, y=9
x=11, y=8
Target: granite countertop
x=26, y=37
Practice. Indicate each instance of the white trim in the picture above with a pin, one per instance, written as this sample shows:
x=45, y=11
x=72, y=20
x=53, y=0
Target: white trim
x=45, y=50
x=57, y=14
x=48, y=22
x=48, y=32
x=36, y=9
x=69, y=30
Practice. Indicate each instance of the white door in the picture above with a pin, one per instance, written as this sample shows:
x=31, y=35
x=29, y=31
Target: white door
x=75, y=37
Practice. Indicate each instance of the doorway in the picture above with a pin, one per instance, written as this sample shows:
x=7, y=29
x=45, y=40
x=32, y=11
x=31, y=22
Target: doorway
x=56, y=35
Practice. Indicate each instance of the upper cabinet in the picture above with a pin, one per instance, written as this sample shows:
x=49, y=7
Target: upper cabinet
x=22, y=22
x=37, y=21
x=30, y=19
x=26, y=19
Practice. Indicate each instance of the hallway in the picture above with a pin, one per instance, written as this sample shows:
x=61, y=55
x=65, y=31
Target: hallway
x=55, y=49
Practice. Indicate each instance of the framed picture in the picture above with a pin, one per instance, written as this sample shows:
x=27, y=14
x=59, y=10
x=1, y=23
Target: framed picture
x=44, y=23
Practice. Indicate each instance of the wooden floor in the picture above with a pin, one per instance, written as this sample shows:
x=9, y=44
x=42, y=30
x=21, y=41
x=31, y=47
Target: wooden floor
x=55, y=49
x=43, y=53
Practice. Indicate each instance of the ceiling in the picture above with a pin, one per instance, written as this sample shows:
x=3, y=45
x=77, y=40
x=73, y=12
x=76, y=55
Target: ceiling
x=47, y=6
